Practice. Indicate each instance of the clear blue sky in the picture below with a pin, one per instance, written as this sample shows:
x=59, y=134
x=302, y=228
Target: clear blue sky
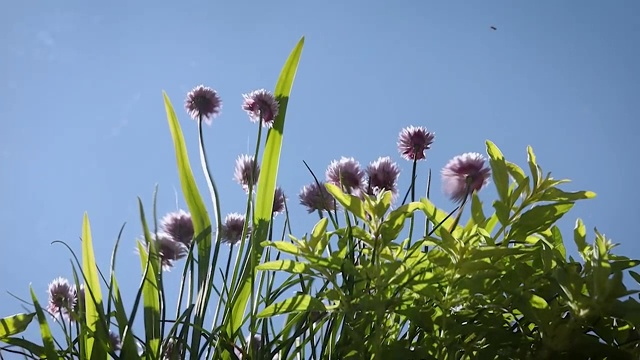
x=83, y=127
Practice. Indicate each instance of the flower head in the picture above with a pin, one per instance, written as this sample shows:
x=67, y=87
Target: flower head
x=203, y=103
x=261, y=103
x=243, y=173
x=315, y=198
x=413, y=141
x=114, y=340
x=169, y=250
x=464, y=174
x=383, y=175
x=278, y=201
x=232, y=228
x=179, y=226
x=62, y=298
x=346, y=173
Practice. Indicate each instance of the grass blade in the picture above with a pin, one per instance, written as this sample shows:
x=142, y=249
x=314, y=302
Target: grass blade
x=266, y=185
x=45, y=332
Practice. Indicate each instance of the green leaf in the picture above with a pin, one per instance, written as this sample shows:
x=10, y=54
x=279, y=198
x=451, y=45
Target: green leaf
x=285, y=247
x=477, y=214
x=289, y=266
x=533, y=167
x=537, y=302
x=393, y=225
x=503, y=213
x=129, y=349
x=555, y=194
x=266, y=185
x=151, y=300
x=350, y=202
x=318, y=235
x=199, y=215
x=94, y=311
x=15, y=324
x=635, y=276
x=537, y=219
x=33, y=348
x=499, y=171
x=436, y=215
x=297, y=303
x=516, y=172
x=580, y=236
x=45, y=332
x=499, y=251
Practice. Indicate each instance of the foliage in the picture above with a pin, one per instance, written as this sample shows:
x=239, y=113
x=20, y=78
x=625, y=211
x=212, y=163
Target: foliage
x=361, y=284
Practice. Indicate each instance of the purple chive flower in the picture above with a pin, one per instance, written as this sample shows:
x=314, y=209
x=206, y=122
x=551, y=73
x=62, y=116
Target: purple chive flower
x=232, y=228
x=346, y=173
x=203, y=103
x=261, y=103
x=315, y=198
x=169, y=251
x=463, y=175
x=62, y=298
x=114, y=340
x=383, y=175
x=179, y=227
x=278, y=201
x=413, y=141
x=243, y=173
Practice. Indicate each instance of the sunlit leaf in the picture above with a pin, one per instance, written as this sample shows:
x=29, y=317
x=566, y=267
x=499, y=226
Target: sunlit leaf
x=580, y=236
x=45, y=331
x=555, y=194
x=537, y=302
x=477, y=214
x=533, y=167
x=350, y=202
x=289, y=266
x=394, y=223
x=94, y=310
x=318, y=235
x=15, y=324
x=499, y=171
x=266, y=186
x=297, y=303
x=151, y=300
x=538, y=218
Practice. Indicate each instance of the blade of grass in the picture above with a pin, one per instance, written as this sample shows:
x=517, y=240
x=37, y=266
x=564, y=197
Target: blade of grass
x=45, y=331
x=266, y=186
x=94, y=310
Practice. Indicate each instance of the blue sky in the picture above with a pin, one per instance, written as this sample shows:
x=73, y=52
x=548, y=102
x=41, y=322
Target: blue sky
x=83, y=128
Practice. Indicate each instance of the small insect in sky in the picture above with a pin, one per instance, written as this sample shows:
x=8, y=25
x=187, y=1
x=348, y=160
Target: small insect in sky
x=494, y=28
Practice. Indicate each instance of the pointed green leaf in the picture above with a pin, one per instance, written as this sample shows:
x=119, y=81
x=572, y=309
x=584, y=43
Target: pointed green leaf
x=31, y=347
x=537, y=302
x=151, y=300
x=15, y=324
x=436, y=215
x=197, y=208
x=394, y=223
x=45, y=332
x=350, y=202
x=94, y=310
x=580, y=236
x=318, y=234
x=533, y=167
x=477, y=214
x=266, y=185
x=498, y=171
x=129, y=349
x=297, y=303
x=499, y=251
x=555, y=194
x=516, y=172
x=289, y=266
x=502, y=212
x=635, y=276
x=537, y=219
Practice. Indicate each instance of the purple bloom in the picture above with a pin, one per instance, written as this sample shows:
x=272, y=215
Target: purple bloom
x=243, y=173
x=261, y=103
x=413, y=141
x=315, y=198
x=169, y=250
x=463, y=175
x=179, y=227
x=383, y=175
x=114, y=340
x=62, y=298
x=346, y=173
x=278, y=201
x=203, y=103
x=232, y=228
